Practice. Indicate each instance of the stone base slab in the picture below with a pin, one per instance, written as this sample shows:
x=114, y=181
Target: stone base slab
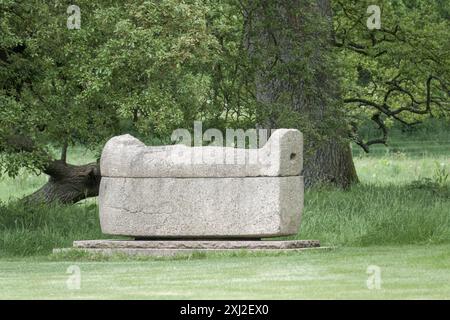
x=180, y=247
x=195, y=244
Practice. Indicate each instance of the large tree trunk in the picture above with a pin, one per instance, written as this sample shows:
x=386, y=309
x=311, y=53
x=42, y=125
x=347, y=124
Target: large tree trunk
x=67, y=183
x=289, y=41
x=331, y=163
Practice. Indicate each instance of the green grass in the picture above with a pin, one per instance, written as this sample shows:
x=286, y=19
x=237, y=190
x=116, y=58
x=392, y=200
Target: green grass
x=29, y=231
x=407, y=272
x=395, y=170
x=377, y=215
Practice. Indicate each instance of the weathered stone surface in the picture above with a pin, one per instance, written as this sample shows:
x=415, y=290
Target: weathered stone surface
x=195, y=244
x=202, y=192
x=155, y=252
x=126, y=156
x=251, y=207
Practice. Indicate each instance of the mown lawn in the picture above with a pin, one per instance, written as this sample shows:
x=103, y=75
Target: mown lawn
x=406, y=272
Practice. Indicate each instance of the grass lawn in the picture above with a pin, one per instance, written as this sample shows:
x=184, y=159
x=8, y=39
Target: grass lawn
x=407, y=272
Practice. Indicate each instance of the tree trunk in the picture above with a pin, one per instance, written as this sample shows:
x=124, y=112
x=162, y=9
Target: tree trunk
x=289, y=41
x=67, y=184
x=331, y=163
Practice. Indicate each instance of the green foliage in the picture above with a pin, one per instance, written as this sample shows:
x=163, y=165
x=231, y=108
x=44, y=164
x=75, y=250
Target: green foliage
x=139, y=61
x=429, y=139
x=441, y=174
x=399, y=72
x=438, y=183
x=135, y=66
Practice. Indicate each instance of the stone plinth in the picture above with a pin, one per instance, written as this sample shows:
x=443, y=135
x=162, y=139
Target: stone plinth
x=196, y=244
x=181, y=247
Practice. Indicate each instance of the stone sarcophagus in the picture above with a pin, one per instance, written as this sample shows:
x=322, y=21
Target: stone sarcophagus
x=180, y=192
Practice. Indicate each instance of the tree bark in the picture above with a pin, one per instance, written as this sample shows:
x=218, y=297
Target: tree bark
x=67, y=184
x=331, y=163
x=285, y=38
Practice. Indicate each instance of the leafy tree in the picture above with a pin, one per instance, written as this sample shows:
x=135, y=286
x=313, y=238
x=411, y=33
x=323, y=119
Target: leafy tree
x=138, y=62
x=398, y=73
